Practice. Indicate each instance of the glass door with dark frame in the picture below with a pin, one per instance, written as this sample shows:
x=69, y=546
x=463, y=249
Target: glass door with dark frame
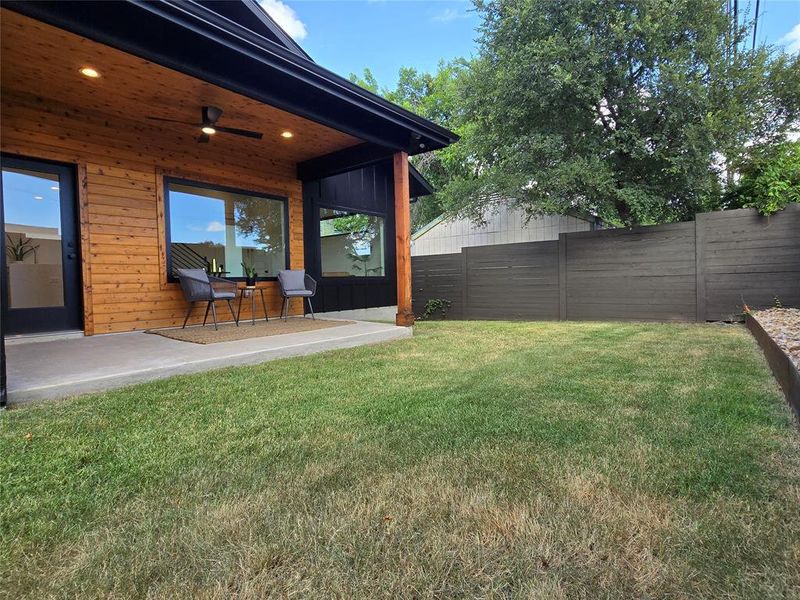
x=41, y=286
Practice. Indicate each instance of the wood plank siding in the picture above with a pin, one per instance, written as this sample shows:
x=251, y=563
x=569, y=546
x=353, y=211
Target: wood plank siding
x=49, y=112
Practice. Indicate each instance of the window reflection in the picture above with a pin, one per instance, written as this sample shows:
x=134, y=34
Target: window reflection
x=34, y=261
x=351, y=244
x=223, y=231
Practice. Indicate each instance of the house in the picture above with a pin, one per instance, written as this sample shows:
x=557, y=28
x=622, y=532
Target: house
x=145, y=136
x=504, y=225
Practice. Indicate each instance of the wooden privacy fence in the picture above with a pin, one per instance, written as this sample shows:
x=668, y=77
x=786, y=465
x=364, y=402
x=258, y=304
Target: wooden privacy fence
x=697, y=271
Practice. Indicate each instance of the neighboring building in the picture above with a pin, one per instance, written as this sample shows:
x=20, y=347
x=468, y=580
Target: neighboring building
x=504, y=226
x=113, y=158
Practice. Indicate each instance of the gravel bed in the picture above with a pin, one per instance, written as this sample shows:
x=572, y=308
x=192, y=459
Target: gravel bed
x=783, y=326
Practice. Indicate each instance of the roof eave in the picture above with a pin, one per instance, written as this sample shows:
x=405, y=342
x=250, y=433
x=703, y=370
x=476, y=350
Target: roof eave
x=335, y=101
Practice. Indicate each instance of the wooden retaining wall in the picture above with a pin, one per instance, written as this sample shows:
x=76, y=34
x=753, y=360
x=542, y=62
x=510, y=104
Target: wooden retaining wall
x=696, y=271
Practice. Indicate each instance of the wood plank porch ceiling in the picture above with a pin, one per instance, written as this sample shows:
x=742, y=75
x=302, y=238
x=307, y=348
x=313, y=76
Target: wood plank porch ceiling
x=41, y=61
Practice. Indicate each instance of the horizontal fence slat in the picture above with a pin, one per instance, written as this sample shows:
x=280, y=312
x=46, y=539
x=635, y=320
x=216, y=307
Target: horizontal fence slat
x=674, y=272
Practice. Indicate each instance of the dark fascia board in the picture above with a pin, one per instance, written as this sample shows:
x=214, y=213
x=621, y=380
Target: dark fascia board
x=249, y=14
x=357, y=157
x=276, y=29
x=343, y=161
x=195, y=40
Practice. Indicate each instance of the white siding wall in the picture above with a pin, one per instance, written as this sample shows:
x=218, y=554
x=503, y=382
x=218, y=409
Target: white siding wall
x=504, y=227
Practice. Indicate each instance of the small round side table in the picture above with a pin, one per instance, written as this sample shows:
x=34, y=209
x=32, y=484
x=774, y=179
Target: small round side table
x=250, y=290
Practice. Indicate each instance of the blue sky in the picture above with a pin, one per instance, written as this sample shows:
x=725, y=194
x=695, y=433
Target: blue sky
x=347, y=36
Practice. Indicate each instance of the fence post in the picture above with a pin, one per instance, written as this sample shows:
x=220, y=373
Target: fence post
x=699, y=268
x=562, y=276
x=464, y=292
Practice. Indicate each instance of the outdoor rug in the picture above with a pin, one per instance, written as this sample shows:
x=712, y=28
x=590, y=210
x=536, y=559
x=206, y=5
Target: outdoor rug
x=229, y=332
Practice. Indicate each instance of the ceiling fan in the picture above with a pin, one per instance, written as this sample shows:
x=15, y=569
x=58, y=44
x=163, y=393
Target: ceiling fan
x=208, y=126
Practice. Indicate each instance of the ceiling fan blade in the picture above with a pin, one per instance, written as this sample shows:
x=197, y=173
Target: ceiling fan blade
x=242, y=132
x=203, y=138
x=173, y=121
x=211, y=115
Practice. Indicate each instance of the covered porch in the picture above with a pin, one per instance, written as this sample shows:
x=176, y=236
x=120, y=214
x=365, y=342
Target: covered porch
x=107, y=107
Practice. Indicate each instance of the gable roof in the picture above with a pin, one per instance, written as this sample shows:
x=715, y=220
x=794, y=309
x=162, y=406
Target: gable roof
x=249, y=13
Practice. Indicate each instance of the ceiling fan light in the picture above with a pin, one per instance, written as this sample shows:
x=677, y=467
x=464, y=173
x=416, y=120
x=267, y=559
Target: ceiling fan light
x=208, y=130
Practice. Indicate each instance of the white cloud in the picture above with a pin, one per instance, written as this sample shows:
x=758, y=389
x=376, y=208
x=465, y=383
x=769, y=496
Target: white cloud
x=792, y=40
x=285, y=16
x=215, y=226
x=448, y=15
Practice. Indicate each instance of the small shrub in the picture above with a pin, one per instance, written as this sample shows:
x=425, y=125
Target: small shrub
x=435, y=305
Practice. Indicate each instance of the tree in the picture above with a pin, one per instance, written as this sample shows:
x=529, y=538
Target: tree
x=438, y=97
x=769, y=178
x=628, y=109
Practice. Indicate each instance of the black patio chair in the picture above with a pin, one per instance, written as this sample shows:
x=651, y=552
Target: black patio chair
x=296, y=284
x=199, y=286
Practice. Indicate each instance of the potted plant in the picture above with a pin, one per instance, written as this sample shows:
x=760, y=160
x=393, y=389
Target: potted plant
x=250, y=274
x=18, y=249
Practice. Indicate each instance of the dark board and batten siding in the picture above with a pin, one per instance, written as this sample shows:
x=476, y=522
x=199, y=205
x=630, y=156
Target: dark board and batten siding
x=695, y=271
x=367, y=190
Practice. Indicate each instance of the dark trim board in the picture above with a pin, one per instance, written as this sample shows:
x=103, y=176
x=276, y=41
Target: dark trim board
x=779, y=363
x=3, y=378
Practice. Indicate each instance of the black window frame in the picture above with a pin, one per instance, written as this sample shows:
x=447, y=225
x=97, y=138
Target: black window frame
x=231, y=190
x=355, y=211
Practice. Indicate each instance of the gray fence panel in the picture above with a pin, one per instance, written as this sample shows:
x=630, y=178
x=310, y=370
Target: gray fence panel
x=747, y=258
x=701, y=270
x=513, y=281
x=437, y=276
x=645, y=273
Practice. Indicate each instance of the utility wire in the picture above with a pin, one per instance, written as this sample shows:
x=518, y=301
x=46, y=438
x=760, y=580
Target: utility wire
x=755, y=24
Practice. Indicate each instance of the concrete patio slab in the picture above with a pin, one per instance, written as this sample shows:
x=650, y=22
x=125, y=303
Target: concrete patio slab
x=381, y=313
x=65, y=367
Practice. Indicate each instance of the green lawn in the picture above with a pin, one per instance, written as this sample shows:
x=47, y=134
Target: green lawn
x=513, y=460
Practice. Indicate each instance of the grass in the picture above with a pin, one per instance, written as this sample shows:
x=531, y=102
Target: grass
x=524, y=460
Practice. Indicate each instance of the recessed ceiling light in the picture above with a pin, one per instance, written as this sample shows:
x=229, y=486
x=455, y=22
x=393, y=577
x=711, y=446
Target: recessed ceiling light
x=209, y=130
x=287, y=134
x=54, y=188
x=90, y=72
x=38, y=198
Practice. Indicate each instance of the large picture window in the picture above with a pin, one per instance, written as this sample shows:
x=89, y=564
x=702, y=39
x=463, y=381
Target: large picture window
x=351, y=244
x=221, y=230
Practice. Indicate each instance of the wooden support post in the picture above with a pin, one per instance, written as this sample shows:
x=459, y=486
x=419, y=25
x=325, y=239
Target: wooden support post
x=402, y=224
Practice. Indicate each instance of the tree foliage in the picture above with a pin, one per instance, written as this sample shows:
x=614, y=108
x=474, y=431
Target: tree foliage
x=769, y=179
x=622, y=108
x=637, y=111
x=440, y=98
